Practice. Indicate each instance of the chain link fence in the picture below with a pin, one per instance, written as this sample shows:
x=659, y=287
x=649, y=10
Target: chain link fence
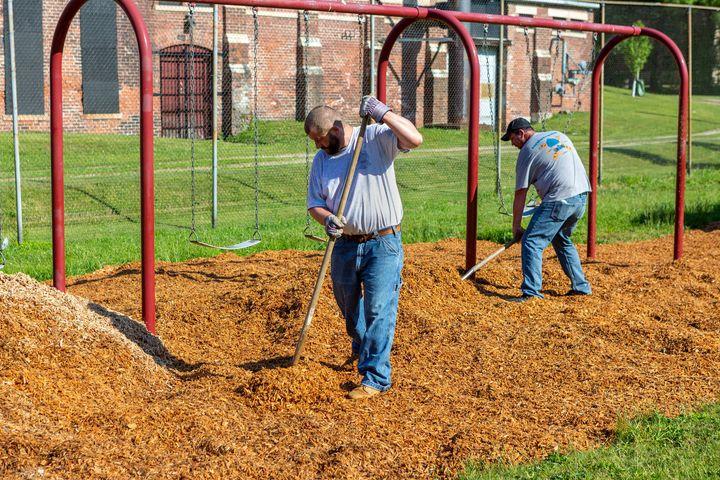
x=270, y=67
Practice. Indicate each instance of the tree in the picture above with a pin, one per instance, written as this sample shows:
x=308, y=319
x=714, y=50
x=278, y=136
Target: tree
x=635, y=52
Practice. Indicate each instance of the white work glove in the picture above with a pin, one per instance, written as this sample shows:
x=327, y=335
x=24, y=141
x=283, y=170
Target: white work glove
x=334, y=226
x=373, y=107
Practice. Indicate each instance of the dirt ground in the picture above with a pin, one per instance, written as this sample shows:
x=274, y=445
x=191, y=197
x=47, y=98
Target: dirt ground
x=85, y=393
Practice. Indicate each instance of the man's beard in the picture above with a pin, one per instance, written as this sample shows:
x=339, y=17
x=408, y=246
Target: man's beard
x=333, y=145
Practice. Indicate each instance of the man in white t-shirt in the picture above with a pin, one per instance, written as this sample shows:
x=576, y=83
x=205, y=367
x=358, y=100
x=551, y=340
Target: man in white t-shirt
x=549, y=161
x=368, y=256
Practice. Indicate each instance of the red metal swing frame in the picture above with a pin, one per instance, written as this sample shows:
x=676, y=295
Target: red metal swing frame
x=452, y=19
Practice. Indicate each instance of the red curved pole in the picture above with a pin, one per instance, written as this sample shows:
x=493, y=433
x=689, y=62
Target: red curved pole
x=146, y=153
x=682, y=138
x=595, y=141
x=474, y=120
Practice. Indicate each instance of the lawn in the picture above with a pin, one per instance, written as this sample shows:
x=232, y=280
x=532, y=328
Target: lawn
x=652, y=447
x=102, y=186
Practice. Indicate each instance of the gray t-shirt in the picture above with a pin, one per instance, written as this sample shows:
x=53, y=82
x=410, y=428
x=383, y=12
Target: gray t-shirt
x=549, y=161
x=374, y=200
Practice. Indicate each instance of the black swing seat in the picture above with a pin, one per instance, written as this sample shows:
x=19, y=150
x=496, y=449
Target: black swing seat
x=315, y=238
x=237, y=246
x=3, y=245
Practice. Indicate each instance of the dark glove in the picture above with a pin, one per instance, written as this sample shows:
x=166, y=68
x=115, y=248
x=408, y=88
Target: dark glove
x=373, y=107
x=518, y=234
x=334, y=226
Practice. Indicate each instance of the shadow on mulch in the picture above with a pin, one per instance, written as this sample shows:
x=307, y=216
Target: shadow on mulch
x=150, y=344
x=125, y=272
x=267, y=364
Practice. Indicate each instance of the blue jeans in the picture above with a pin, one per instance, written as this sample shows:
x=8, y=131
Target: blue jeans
x=553, y=222
x=366, y=283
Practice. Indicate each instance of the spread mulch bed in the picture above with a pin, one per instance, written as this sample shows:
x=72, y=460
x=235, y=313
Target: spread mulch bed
x=86, y=393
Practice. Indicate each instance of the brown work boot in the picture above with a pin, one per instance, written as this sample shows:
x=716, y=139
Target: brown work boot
x=362, y=392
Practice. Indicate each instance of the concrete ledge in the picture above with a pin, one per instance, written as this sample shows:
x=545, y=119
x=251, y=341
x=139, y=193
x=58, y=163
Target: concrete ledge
x=242, y=68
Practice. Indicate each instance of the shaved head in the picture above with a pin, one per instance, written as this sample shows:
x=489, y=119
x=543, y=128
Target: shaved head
x=321, y=120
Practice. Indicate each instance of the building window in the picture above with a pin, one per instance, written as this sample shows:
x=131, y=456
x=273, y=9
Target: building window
x=98, y=43
x=29, y=58
x=477, y=30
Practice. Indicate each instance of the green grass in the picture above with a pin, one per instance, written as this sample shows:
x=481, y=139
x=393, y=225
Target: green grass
x=102, y=186
x=651, y=447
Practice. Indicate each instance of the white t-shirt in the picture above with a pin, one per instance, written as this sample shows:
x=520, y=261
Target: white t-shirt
x=549, y=161
x=374, y=200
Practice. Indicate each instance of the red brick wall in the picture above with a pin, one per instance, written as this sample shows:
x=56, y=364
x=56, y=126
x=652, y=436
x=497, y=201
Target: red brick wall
x=519, y=70
x=338, y=55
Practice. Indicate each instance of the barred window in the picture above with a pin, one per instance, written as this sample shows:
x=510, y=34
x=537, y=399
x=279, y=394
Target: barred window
x=29, y=58
x=98, y=42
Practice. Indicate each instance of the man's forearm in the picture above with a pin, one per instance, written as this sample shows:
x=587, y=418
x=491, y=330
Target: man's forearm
x=518, y=206
x=319, y=214
x=406, y=133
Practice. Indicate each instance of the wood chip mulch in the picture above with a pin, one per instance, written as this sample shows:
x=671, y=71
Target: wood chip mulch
x=85, y=393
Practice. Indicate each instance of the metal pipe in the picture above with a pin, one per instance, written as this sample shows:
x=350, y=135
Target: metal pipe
x=499, y=95
x=16, y=138
x=689, y=61
x=682, y=137
x=146, y=152
x=601, y=125
x=372, y=53
x=563, y=3
x=474, y=114
x=595, y=143
x=670, y=5
x=215, y=118
x=420, y=12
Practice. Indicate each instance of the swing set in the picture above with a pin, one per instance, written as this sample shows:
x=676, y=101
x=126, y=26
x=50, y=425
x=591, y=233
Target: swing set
x=452, y=19
x=190, y=99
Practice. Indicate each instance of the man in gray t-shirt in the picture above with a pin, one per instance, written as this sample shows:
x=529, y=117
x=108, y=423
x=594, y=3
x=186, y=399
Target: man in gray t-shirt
x=368, y=256
x=549, y=161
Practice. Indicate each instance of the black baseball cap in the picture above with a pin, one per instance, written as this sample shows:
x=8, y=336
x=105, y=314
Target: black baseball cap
x=517, y=124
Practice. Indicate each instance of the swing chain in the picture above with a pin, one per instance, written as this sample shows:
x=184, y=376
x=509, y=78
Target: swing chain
x=306, y=20
x=361, y=54
x=492, y=98
x=584, y=83
x=190, y=112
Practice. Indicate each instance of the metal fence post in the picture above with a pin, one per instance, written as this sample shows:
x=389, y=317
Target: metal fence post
x=372, y=53
x=601, y=123
x=499, y=108
x=215, y=117
x=16, y=141
x=690, y=86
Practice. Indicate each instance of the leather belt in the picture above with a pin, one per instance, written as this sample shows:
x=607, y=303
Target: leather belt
x=364, y=237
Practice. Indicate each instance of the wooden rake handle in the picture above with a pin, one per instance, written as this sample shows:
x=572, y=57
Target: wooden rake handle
x=349, y=178
x=487, y=259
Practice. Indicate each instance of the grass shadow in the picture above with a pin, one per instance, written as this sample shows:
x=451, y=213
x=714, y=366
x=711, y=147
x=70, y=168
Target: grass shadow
x=663, y=160
x=715, y=147
x=101, y=201
x=696, y=216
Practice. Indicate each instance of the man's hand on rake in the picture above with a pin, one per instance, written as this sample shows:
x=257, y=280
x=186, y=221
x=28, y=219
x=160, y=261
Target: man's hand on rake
x=334, y=226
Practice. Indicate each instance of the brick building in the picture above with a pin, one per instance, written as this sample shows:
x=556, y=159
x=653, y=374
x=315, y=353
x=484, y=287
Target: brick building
x=301, y=60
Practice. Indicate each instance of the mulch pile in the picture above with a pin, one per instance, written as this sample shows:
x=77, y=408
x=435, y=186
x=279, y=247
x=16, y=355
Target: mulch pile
x=85, y=393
